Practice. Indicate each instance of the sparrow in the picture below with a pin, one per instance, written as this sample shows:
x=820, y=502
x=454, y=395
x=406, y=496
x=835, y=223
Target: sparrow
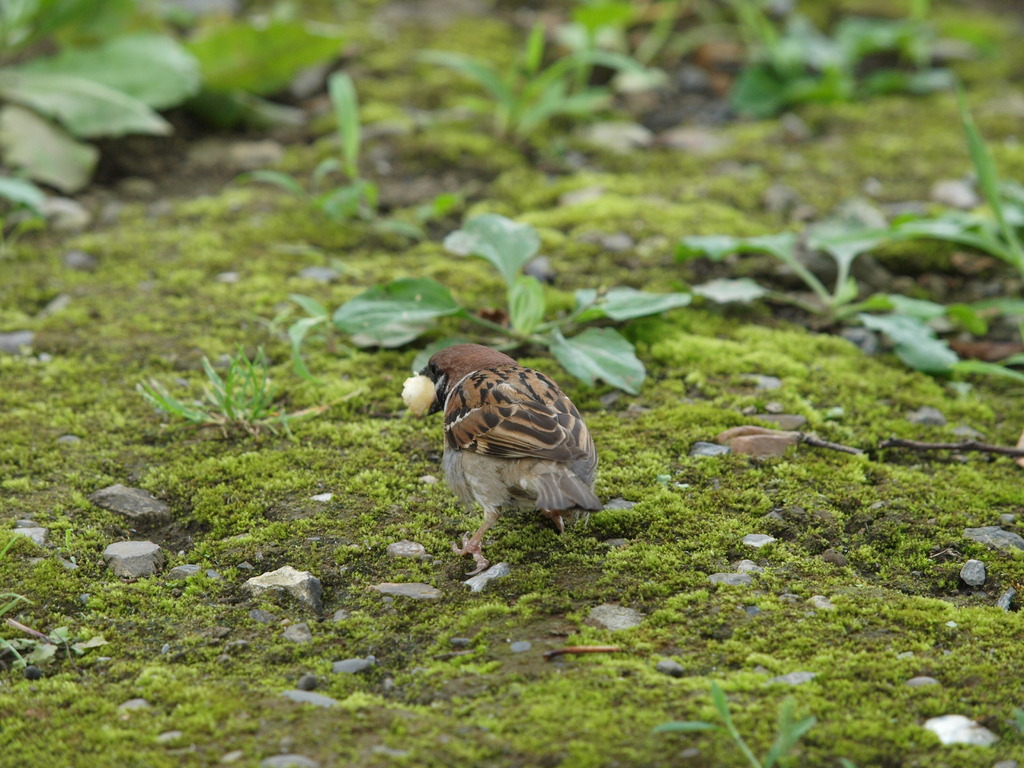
x=512, y=439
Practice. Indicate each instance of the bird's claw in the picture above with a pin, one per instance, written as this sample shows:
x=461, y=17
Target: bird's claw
x=467, y=548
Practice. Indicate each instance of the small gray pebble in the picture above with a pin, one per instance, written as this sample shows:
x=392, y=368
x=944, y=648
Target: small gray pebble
x=615, y=543
x=320, y=274
x=264, y=617
x=79, y=260
x=340, y=615
x=352, y=666
x=289, y=761
x=670, y=667
x=307, y=682
x=460, y=642
x=520, y=646
x=1006, y=599
x=921, y=680
x=619, y=503
x=794, y=678
x=212, y=574
x=973, y=573
x=1007, y=518
x=298, y=633
x=731, y=579
x=540, y=268
x=169, y=736
x=928, y=416
x=752, y=610
x=701, y=448
x=182, y=571
x=32, y=672
x=747, y=566
x=69, y=439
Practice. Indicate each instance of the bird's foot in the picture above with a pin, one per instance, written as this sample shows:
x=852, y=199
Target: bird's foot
x=470, y=547
x=555, y=516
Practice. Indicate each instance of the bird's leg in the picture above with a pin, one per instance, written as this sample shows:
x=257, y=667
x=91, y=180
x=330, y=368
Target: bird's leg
x=555, y=516
x=472, y=545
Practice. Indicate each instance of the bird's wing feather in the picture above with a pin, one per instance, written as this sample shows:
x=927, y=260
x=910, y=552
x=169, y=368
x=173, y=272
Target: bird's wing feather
x=510, y=412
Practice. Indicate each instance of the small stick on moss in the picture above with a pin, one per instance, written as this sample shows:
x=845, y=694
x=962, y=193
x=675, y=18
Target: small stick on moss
x=549, y=655
x=966, y=445
x=813, y=440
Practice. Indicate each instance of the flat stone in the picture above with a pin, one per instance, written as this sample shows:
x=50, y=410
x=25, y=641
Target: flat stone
x=64, y=214
x=35, y=533
x=1006, y=599
x=168, y=737
x=320, y=274
x=955, y=193
x=309, y=697
x=69, y=439
x=930, y=417
x=133, y=503
x=921, y=681
x=429, y=480
x=479, y=582
x=670, y=667
x=262, y=616
x=821, y=603
x=703, y=448
x=760, y=442
x=731, y=579
x=786, y=421
x=618, y=136
x=693, y=140
x=764, y=383
x=80, y=261
x=520, y=646
x=15, y=342
x=747, y=566
x=250, y=155
x=298, y=633
x=758, y=540
x=793, y=678
x=406, y=548
x=322, y=497
x=994, y=536
x=301, y=585
x=353, y=666
x=1007, y=518
x=290, y=761
x=615, y=543
x=133, y=559
x=414, y=590
x=957, y=729
x=182, y=572
x=340, y=615
x=615, y=617
x=619, y=503
x=973, y=573
x=134, y=704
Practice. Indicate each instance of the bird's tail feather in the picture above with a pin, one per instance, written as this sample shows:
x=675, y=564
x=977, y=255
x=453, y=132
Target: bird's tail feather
x=565, y=491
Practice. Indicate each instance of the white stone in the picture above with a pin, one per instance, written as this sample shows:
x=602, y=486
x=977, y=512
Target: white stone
x=406, y=548
x=301, y=585
x=132, y=559
x=479, y=582
x=322, y=497
x=957, y=729
x=757, y=540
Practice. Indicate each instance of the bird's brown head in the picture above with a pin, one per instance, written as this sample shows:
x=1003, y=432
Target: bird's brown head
x=447, y=367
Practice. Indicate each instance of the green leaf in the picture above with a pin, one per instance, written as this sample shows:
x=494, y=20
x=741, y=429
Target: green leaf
x=915, y=343
x=714, y=247
x=346, y=112
x=758, y=92
x=277, y=179
x=987, y=369
x=261, y=58
x=86, y=108
x=20, y=191
x=153, y=69
x=628, y=303
x=725, y=291
x=312, y=307
x=599, y=353
x=685, y=726
x=297, y=332
x=44, y=151
x=970, y=320
x=526, y=303
x=503, y=242
x=394, y=314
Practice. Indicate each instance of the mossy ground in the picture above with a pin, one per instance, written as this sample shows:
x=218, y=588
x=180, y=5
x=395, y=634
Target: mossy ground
x=153, y=309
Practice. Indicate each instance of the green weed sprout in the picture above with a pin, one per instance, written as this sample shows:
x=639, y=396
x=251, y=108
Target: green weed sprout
x=243, y=398
x=528, y=95
x=789, y=733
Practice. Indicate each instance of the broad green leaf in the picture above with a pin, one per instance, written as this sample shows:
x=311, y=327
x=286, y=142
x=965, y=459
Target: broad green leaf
x=44, y=151
x=526, y=303
x=915, y=343
x=970, y=320
x=346, y=112
x=154, y=69
x=628, y=303
x=715, y=247
x=86, y=108
x=394, y=314
x=725, y=291
x=20, y=191
x=262, y=58
x=846, y=292
x=599, y=353
x=758, y=92
x=503, y=242
x=987, y=369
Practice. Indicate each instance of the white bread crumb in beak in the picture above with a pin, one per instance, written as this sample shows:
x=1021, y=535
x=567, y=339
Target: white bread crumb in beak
x=418, y=393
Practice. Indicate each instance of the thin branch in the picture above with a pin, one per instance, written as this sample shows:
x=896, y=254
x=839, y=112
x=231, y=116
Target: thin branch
x=966, y=445
x=548, y=655
x=813, y=440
